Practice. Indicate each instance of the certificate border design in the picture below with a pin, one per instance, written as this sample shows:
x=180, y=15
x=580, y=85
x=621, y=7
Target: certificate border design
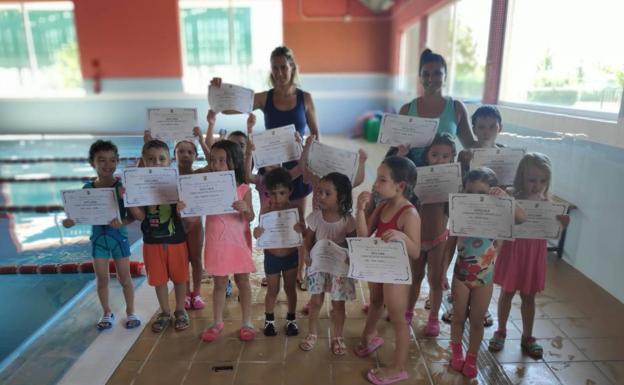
x=124, y=175
x=386, y=140
x=564, y=210
x=441, y=166
x=292, y=211
x=229, y=174
x=452, y=226
x=113, y=190
x=354, y=166
x=176, y=138
x=352, y=273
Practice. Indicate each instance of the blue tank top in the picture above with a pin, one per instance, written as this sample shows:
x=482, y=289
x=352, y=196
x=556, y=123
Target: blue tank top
x=448, y=124
x=274, y=118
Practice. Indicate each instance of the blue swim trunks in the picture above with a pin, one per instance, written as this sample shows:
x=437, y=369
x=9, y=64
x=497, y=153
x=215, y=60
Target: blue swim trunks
x=108, y=242
x=276, y=265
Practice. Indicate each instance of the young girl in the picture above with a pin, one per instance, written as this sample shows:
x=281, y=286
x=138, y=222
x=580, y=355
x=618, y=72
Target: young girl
x=395, y=218
x=110, y=241
x=472, y=278
x=228, y=244
x=521, y=265
x=333, y=221
x=434, y=236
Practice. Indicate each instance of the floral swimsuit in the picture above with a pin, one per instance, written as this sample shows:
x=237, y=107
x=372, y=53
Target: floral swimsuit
x=475, y=261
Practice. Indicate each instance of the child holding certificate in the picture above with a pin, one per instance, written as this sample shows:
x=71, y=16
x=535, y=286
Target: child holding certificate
x=164, y=246
x=434, y=235
x=395, y=218
x=333, y=221
x=521, y=265
x=472, y=278
x=228, y=244
x=280, y=262
x=110, y=241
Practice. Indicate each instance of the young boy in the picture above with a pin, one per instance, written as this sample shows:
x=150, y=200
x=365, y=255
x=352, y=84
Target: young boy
x=110, y=241
x=164, y=247
x=280, y=262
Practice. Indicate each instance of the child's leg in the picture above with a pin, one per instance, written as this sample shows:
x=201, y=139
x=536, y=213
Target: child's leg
x=418, y=274
x=100, y=266
x=504, y=308
x=244, y=292
x=180, y=293
x=395, y=298
x=527, y=309
x=122, y=266
x=338, y=317
x=290, y=287
x=375, y=311
x=218, y=298
x=461, y=296
x=195, y=242
x=437, y=270
x=273, y=287
x=479, y=301
x=162, y=293
x=316, y=302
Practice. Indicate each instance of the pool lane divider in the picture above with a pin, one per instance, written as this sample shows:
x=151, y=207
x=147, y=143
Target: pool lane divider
x=137, y=268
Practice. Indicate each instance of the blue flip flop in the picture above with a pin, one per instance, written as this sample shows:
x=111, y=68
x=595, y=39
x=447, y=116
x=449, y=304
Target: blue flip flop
x=132, y=321
x=106, y=322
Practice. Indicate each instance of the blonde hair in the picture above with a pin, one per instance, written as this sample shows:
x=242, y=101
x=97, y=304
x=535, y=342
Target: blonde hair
x=532, y=159
x=287, y=53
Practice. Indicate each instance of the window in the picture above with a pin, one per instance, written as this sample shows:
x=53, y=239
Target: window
x=460, y=33
x=230, y=39
x=578, y=65
x=410, y=54
x=38, y=50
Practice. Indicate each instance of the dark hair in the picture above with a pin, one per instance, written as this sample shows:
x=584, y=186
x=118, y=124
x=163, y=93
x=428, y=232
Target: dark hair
x=278, y=177
x=234, y=156
x=427, y=56
x=486, y=111
x=440, y=139
x=402, y=170
x=102, y=145
x=155, y=143
x=237, y=133
x=481, y=174
x=185, y=141
x=290, y=58
x=343, y=191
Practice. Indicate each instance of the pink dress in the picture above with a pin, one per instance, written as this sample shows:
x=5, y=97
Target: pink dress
x=228, y=242
x=521, y=266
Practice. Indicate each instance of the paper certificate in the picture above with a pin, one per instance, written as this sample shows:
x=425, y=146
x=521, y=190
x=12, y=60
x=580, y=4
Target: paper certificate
x=148, y=186
x=324, y=159
x=435, y=183
x=275, y=146
x=279, y=230
x=172, y=123
x=482, y=216
x=407, y=130
x=91, y=206
x=209, y=193
x=230, y=97
x=328, y=257
x=503, y=161
x=541, y=220
x=373, y=260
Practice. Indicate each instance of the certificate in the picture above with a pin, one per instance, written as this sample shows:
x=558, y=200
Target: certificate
x=172, y=123
x=373, y=260
x=482, y=216
x=541, y=220
x=503, y=161
x=279, y=229
x=435, y=183
x=209, y=193
x=230, y=97
x=323, y=159
x=328, y=257
x=148, y=186
x=407, y=130
x=91, y=206
x=275, y=146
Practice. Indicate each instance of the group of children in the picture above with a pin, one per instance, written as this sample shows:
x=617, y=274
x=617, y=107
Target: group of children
x=390, y=211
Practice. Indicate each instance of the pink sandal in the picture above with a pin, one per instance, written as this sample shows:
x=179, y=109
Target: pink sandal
x=247, y=333
x=374, y=344
x=213, y=332
x=373, y=376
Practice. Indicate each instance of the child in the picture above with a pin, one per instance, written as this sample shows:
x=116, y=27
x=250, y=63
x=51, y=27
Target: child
x=238, y=137
x=472, y=278
x=332, y=221
x=434, y=236
x=395, y=218
x=164, y=246
x=110, y=241
x=228, y=244
x=521, y=265
x=280, y=262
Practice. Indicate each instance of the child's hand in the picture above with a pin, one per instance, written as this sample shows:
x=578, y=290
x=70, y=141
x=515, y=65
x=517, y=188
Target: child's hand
x=67, y=223
x=309, y=140
x=211, y=118
x=180, y=206
x=251, y=147
x=215, y=82
x=393, y=235
x=197, y=132
x=497, y=192
x=116, y=223
x=241, y=206
x=147, y=136
x=298, y=138
x=564, y=220
x=251, y=121
x=299, y=227
x=121, y=190
x=465, y=156
x=403, y=149
x=363, y=200
x=258, y=231
x=363, y=155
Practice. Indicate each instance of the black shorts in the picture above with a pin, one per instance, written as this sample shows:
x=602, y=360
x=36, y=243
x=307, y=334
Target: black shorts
x=276, y=265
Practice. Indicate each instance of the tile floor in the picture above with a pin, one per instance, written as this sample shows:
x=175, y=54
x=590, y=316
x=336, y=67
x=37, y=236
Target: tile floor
x=578, y=324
